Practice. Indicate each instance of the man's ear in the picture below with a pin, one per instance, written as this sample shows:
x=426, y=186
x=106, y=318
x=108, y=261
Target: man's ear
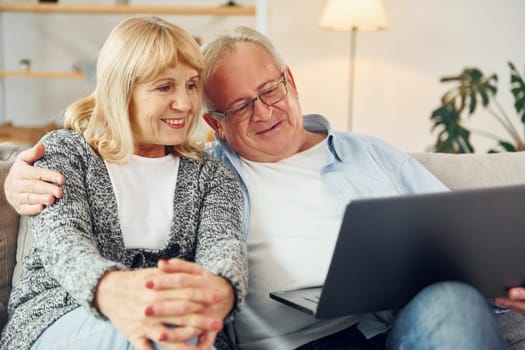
x=289, y=77
x=291, y=82
x=214, y=124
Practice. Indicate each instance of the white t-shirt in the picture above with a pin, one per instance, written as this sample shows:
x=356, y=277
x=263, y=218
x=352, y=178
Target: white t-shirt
x=145, y=189
x=294, y=224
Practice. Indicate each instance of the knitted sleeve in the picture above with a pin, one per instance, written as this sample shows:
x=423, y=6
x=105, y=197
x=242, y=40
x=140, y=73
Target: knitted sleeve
x=221, y=248
x=63, y=231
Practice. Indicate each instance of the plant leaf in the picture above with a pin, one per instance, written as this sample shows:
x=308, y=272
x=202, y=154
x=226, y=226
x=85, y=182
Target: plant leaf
x=473, y=104
x=452, y=138
x=518, y=91
x=472, y=89
x=507, y=146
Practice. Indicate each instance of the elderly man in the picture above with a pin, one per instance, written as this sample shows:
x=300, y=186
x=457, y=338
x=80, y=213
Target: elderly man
x=298, y=175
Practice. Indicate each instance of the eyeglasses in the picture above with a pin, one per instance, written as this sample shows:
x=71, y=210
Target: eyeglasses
x=243, y=110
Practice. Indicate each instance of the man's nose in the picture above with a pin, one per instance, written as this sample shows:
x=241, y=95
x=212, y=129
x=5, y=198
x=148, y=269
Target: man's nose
x=261, y=111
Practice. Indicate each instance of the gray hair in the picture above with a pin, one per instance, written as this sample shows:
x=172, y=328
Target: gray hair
x=225, y=44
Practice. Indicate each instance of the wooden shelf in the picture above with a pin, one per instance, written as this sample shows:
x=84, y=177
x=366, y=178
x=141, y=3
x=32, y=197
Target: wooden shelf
x=41, y=74
x=128, y=9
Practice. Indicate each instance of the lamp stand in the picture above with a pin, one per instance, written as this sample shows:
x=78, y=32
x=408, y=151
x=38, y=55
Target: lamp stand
x=353, y=34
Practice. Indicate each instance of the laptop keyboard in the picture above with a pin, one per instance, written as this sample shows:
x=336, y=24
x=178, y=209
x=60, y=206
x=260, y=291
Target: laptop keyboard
x=313, y=298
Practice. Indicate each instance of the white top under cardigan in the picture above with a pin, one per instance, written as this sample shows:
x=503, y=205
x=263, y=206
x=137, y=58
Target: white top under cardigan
x=145, y=188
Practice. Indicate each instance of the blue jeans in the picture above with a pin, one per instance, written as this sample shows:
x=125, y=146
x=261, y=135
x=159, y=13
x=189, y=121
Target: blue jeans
x=446, y=315
x=80, y=330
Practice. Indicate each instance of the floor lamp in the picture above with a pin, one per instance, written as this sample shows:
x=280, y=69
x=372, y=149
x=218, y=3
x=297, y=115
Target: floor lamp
x=352, y=16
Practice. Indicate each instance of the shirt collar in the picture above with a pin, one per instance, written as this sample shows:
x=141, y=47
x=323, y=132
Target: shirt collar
x=318, y=124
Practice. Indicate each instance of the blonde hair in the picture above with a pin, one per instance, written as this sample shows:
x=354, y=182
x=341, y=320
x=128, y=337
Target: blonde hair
x=137, y=50
x=224, y=45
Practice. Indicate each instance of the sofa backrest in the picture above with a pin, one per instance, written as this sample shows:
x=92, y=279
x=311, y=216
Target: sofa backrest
x=463, y=171
x=455, y=171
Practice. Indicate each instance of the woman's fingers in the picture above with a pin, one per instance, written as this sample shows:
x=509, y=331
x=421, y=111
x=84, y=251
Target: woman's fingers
x=197, y=321
x=179, y=265
x=188, y=287
x=177, y=337
x=182, y=314
x=190, y=293
x=172, y=308
x=207, y=339
x=179, y=334
x=178, y=279
x=188, y=281
x=141, y=344
x=214, y=292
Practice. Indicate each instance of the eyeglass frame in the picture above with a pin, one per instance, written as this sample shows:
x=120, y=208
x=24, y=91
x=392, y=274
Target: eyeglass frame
x=226, y=114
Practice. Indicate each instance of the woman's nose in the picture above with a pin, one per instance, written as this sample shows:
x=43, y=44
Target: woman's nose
x=180, y=101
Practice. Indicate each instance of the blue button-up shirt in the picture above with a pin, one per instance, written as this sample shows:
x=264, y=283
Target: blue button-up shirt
x=357, y=166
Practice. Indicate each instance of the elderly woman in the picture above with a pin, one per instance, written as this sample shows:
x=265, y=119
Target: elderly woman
x=145, y=248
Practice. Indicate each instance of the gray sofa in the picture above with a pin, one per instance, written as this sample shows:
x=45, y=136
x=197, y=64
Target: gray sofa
x=455, y=171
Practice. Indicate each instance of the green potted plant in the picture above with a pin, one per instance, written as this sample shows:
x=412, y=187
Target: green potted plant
x=474, y=90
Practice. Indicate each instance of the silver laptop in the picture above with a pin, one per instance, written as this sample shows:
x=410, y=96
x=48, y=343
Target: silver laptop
x=389, y=249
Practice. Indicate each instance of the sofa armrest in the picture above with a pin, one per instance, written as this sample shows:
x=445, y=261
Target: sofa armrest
x=8, y=230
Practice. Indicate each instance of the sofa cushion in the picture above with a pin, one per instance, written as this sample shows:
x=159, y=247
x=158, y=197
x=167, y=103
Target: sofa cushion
x=8, y=231
x=23, y=245
x=3, y=316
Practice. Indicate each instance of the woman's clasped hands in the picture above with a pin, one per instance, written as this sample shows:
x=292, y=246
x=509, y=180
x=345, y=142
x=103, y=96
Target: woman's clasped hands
x=169, y=305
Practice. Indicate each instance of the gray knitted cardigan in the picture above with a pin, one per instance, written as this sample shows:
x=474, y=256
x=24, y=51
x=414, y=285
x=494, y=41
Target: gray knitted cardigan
x=78, y=239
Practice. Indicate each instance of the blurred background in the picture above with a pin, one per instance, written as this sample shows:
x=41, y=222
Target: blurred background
x=396, y=81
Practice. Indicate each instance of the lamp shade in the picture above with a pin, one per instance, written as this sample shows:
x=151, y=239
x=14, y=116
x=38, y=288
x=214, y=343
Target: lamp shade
x=348, y=15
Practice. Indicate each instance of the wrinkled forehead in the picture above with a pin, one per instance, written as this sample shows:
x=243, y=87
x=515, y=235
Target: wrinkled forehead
x=246, y=57
x=241, y=72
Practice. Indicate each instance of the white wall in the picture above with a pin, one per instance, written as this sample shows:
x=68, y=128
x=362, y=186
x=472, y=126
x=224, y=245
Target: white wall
x=56, y=42
x=397, y=70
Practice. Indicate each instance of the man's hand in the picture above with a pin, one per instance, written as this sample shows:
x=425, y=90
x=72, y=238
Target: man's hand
x=515, y=300
x=125, y=297
x=28, y=188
